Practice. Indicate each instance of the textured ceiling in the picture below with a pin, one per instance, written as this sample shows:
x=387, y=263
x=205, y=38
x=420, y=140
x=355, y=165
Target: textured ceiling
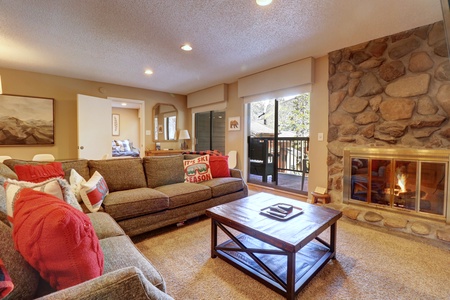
x=114, y=41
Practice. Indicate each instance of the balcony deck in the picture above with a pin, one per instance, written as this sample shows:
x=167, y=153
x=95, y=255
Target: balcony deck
x=289, y=182
x=292, y=163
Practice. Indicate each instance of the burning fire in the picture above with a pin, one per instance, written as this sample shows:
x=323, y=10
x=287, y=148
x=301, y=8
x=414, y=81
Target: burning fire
x=401, y=175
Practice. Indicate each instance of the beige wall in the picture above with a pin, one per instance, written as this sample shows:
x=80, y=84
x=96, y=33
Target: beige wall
x=318, y=151
x=64, y=90
x=235, y=140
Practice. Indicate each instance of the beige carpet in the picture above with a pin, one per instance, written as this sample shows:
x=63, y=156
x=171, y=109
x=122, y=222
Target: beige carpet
x=370, y=264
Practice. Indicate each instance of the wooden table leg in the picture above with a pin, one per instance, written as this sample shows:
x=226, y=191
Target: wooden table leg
x=333, y=231
x=290, y=288
x=213, y=238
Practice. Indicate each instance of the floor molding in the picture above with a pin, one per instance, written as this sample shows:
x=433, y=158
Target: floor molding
x=259, y=188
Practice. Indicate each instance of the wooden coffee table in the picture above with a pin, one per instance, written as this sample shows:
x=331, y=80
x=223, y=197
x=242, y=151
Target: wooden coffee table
x=282, y=254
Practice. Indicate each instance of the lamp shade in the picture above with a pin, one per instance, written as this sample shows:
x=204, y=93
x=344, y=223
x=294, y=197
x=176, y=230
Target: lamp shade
x=184, y=135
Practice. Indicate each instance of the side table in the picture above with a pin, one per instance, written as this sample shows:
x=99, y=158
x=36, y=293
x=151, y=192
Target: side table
x=322, y=198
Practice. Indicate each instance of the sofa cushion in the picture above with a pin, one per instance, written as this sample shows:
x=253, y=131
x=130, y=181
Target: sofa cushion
x=39, y=173
x=6, y=172
x=11, y=163
x=219, y=166
x=94, y=191
x=120, y=174
x=79, y=165
x=223, y=186
x=24, y=277
x=56, y=239
x=185, y=193
x=163, y=170
x=120, y=252
x=104, y=225
x=137, y=202
x=197, y=169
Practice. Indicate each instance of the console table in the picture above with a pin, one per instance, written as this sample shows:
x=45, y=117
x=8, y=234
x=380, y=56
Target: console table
x=164, y=152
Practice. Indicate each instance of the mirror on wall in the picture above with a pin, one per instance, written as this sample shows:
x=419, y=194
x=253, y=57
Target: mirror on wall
x=164, y=122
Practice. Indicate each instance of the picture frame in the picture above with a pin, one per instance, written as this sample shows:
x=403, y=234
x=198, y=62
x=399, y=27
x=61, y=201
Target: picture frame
x=30, y=120
x=115, y=124
x=234, y=123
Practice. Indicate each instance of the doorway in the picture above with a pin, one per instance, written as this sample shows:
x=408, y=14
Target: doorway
x=134, y=129
x=94, y=125
x=278, y=143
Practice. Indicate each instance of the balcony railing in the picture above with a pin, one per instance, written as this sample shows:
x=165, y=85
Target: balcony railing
x=292, y=154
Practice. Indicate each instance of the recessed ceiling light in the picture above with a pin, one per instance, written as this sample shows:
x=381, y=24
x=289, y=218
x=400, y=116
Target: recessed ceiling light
x=123, y=104
x=186, y=47
x=263, y=2
x=148, y=72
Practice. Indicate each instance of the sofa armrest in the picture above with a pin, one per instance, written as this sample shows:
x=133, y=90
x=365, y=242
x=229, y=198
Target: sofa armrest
x=236, y=173
x=126, y=283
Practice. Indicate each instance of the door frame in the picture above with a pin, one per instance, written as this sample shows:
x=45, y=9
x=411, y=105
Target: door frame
x=140, y=106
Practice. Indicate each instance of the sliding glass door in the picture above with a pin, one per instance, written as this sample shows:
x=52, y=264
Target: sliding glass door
x=279, y=142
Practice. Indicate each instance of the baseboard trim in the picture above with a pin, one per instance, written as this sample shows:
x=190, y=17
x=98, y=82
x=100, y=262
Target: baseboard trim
x=259, y=188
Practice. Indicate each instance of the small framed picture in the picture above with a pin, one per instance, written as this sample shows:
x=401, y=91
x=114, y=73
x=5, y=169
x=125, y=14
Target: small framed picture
x=234, y=123
x=115, y=124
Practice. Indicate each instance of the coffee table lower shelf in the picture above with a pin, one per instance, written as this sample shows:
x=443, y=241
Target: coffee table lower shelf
x=269, y=264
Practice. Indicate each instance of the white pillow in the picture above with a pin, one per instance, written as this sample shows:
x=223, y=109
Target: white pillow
x=126, y=145
x=94, y=191
x=120, y=144
x=76, y=180
x=55, y=186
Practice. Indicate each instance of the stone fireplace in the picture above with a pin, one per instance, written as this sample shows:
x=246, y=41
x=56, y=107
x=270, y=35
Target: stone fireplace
x=393, y=92
x=386, y=94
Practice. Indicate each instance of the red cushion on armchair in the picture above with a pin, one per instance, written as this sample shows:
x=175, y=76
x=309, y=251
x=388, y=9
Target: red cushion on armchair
x=56, y=239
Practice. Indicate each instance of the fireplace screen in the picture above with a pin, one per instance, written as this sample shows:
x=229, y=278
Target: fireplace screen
x=413, y=184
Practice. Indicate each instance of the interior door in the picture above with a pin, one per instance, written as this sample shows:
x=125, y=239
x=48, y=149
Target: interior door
x=94, y=127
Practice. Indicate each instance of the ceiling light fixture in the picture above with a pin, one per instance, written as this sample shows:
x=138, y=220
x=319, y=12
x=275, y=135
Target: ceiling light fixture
x=263, y=2
x=148, y=72
x=186, y=47
x=123, y=104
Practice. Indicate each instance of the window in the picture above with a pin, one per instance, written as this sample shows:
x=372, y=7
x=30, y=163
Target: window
x=170, y=127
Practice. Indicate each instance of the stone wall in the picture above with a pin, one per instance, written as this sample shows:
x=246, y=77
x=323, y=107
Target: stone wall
x=389, y=92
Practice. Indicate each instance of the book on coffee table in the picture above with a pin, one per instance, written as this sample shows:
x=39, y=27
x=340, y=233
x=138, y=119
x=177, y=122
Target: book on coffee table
x=279, y=215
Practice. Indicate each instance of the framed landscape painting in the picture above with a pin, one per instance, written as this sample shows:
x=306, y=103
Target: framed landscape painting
x=26, y=121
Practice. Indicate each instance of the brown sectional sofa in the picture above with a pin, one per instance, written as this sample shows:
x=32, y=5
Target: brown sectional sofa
x=145, y=194
x=149, y=193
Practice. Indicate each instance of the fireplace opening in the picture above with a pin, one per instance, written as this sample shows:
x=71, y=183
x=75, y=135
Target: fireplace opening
x=403, y=179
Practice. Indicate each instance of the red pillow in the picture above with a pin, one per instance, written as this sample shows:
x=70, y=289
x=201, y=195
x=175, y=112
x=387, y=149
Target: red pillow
x=219, y=166
x=56, y=239
x=39, y=173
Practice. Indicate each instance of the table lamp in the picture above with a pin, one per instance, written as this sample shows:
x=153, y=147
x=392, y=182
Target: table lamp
x=184, y=135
